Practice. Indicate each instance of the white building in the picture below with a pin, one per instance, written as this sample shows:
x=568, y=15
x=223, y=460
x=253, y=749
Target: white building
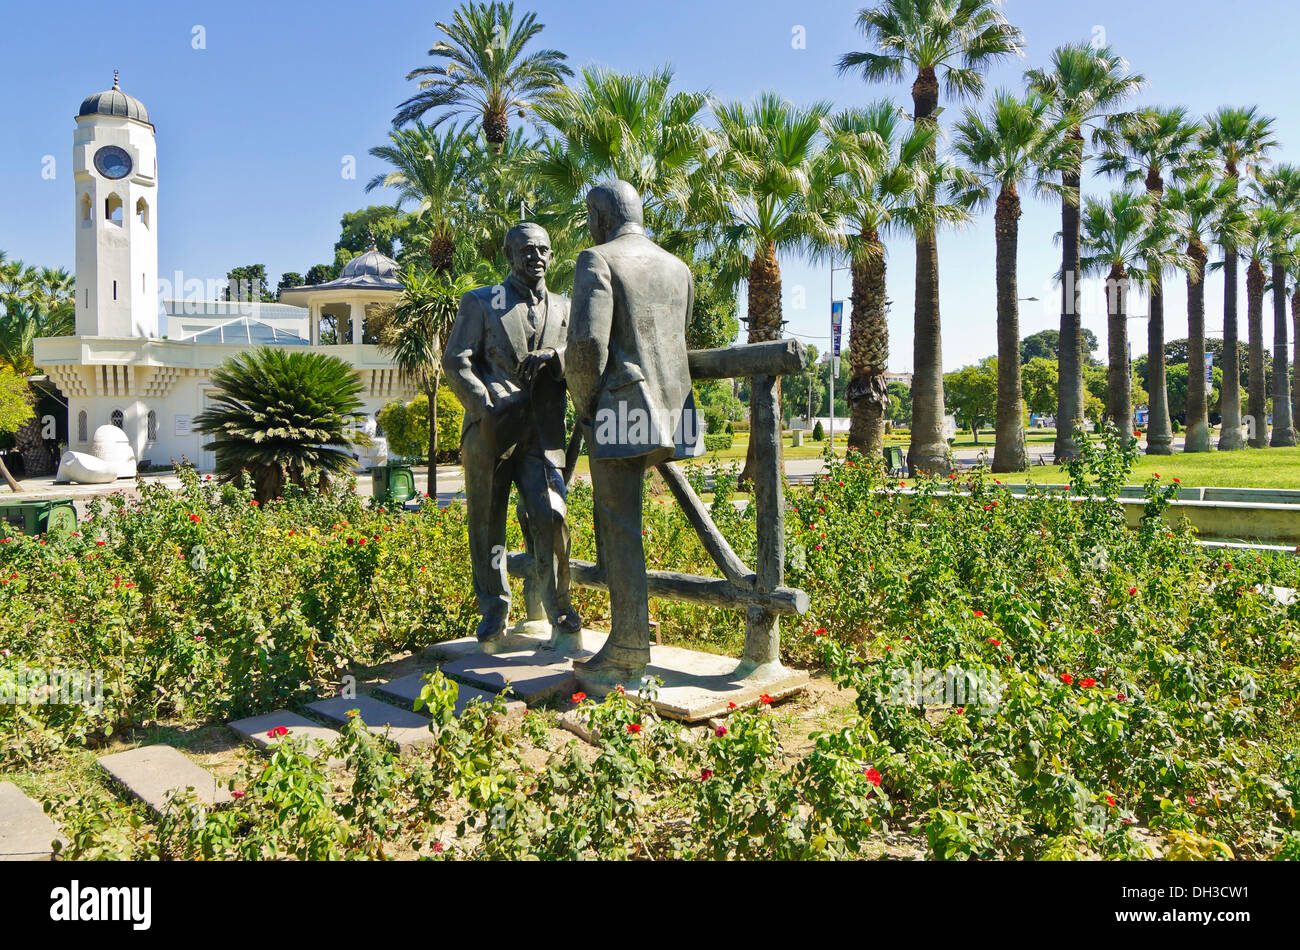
x=150, y=377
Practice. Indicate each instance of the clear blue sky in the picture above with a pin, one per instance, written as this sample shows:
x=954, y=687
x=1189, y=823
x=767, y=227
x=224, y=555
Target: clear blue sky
x=253, y=130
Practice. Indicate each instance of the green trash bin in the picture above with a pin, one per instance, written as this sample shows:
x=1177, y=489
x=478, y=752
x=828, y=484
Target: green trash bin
x=40, y=516
x=392, y=483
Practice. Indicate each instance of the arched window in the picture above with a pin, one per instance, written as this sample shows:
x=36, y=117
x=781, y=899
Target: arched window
x=118, y=419
x=113, y=209
x=151, y=425
x=83, y=427
x=142, y=212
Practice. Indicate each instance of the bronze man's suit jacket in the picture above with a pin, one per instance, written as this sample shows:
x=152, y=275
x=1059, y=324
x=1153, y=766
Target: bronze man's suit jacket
x=482, y=359
x=627, y=350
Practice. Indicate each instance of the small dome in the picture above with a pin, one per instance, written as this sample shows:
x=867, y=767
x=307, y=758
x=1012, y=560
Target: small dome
x=371, y=263
x=115, y=102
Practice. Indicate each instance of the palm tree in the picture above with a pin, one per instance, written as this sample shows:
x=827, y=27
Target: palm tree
x=961, y=38
x=1205, y=210
x=413, y=332
x=1145, y=145
x=635, y=127
x=1238, y=139
x=882, y=182
x=1017, y=143
x=485, y=72
x=769, y=189
x=1129, y=240
x=1267, y=233
x=430, y=170
x=1086, y=82
x=283, y=416
x=1279, y=191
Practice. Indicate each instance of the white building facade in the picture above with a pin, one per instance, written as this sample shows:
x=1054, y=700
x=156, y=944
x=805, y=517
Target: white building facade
x=146, y=366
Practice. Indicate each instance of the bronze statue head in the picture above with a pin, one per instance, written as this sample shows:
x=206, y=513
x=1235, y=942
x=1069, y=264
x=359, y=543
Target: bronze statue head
x=610, y=205
x=528, y=249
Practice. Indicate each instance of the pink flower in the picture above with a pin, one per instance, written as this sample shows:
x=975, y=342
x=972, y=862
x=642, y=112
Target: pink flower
x=720, y=731
x=1120, y=697
x=236, y=794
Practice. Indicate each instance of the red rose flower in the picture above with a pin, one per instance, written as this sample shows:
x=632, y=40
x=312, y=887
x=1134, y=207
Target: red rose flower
x=633, y=728
x=578, y=697
x=996, y=643
x=1087, y=682
x=1067, y=679
x=706, y=774
x=720, y=731
x=766, y=700
x=872, y=776
x=1110, y=801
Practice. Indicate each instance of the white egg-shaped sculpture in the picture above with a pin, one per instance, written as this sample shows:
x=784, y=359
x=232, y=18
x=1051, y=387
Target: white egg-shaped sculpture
x=111, y=445
x=84, y=469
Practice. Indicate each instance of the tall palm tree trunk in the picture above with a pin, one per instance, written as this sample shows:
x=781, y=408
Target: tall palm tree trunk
x=1283, y=418
x=928, y=451
x=1069, y=386
x=1160, y=434
x=764, y=317
x=1256, y=405
x=1119, y=378
x=1198, y=401
x=1230, y=396
x=1009, y=448
x=867, y=394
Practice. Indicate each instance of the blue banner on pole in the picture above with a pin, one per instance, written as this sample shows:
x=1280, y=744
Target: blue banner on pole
x=1209, y=369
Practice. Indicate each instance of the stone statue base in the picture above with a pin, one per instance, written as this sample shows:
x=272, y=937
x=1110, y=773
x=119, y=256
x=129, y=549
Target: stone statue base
x=695, y=686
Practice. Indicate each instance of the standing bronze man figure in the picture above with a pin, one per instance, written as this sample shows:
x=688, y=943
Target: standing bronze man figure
x=505, y=360
x=631, y=387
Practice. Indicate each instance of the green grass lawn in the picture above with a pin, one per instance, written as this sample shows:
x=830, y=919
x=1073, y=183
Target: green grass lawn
x=1247, y=468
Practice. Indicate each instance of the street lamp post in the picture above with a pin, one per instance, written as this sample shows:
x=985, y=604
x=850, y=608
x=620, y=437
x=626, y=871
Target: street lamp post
x=835, y=340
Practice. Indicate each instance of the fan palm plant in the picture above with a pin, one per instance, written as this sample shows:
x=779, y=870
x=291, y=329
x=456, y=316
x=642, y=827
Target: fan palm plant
x=1017, y=143
x=635, y=127
x=484, y=70
x=283, y=416
x=1279, y=192
x=414, y=331
x=769, y=190
x=1128, y=239
x=1238, y=138
x=1146, y=145
x=1205, y=210
x=959, y=38
x=882, y=181
x=1086, y=82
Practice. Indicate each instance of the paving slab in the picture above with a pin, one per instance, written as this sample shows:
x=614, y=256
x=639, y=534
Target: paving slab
x=151, y=773
x=407, y=689
x=26, y=832
x=534, y=673
x=257, y=729
x=402, y=727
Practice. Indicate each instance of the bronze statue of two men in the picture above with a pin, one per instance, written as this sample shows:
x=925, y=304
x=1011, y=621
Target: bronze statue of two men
x=619, y=349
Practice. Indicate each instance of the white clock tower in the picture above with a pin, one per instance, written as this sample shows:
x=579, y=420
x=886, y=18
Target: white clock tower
x=115, y=169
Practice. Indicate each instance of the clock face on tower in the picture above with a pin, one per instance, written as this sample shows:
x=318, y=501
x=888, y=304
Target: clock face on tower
x=113, y=162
